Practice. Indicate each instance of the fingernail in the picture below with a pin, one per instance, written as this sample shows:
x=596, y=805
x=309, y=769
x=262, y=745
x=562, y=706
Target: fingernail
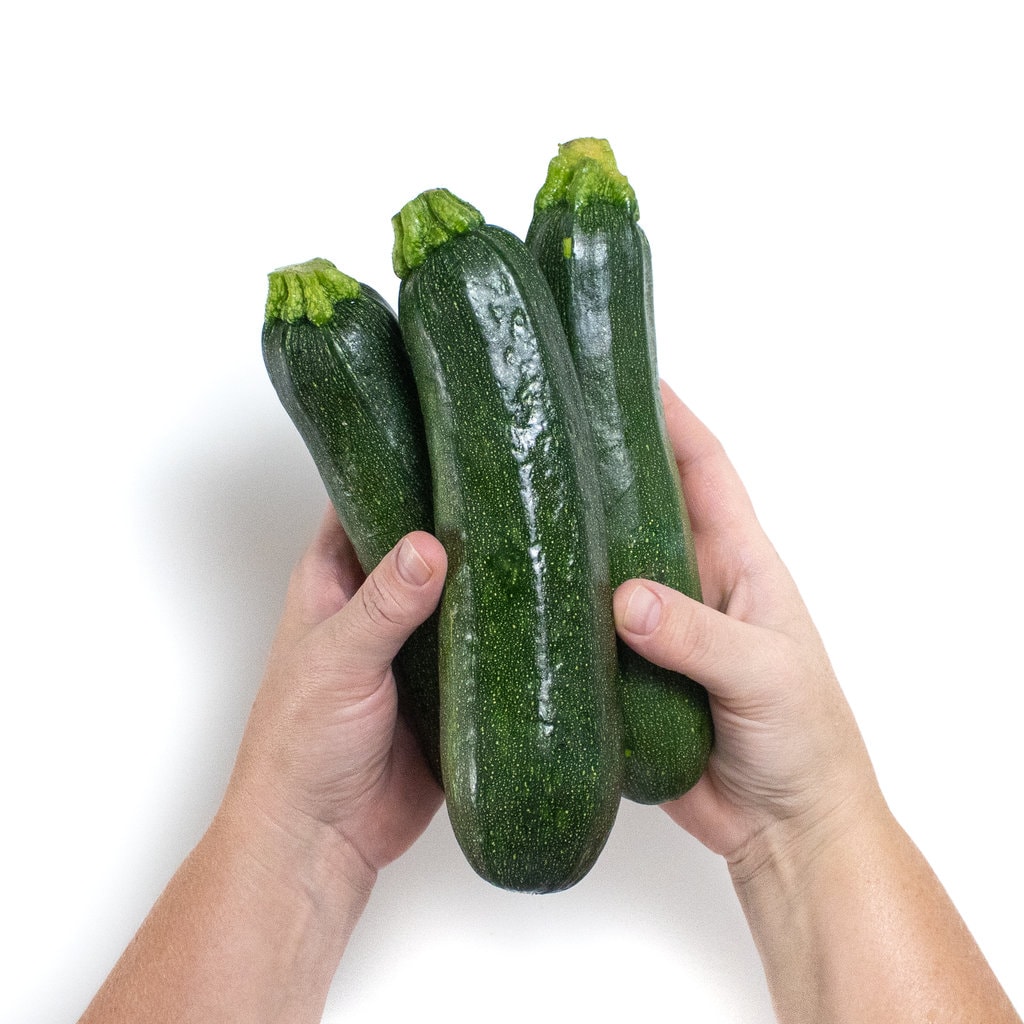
x=411, y=566
x=643, y=611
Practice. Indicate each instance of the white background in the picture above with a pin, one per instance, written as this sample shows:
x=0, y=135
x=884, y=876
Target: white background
x=833, y=195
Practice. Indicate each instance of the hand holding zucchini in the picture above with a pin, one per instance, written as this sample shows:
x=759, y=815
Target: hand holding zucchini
x=516, y=413
x=597, y=260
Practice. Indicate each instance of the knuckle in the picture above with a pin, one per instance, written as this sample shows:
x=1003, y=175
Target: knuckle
x=379, y=605
x=689, y=637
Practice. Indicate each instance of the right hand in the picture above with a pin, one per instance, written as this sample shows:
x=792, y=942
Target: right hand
x=788, y=758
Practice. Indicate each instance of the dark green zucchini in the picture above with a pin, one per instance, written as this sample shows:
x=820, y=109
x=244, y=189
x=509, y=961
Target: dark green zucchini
x=531, y=733
x=335, y=356
x=595, y=256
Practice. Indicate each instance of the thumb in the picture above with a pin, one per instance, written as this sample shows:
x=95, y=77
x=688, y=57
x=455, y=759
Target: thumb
x=362, y=639
x=731, y=658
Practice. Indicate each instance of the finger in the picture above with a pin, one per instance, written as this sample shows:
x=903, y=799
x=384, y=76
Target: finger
x=401, y=592
x=732, y=659
x=325, y=578
x=332, y=549
x=716, y=500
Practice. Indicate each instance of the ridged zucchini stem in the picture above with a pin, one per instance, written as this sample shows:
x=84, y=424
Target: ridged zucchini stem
x=585, y=171
x=424, y=223
x=308, y=290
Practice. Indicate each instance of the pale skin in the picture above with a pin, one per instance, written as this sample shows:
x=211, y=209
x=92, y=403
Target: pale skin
x=851, y=923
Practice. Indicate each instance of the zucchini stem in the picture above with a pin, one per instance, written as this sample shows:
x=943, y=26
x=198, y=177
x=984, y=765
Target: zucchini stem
x=307, y=290
x=584, y=172
x=431, y=219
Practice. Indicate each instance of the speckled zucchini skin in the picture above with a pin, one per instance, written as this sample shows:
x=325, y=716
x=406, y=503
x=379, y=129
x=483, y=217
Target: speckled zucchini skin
x=597, y=260
x=531, y=732
x=348, y=388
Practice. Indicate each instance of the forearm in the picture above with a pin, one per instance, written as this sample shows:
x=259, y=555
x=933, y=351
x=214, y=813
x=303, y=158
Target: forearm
x=853, y=926
x=251, y=928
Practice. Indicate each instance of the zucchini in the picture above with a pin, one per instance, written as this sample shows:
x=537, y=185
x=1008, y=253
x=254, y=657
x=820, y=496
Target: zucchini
x=335, y=356
x=597, y=260
x=531, y=733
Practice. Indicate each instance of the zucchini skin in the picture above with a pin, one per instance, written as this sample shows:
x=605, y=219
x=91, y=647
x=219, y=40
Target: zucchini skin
x=531, y=729
x=348, y=389
x=597, y=261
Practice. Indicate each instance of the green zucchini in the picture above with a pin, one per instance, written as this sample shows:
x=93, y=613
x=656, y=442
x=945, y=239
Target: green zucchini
x=335, y=356
x=531, y=733
x=596, y=257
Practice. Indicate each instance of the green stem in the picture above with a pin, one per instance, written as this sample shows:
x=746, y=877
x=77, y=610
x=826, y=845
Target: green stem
x=584, y=172
x=308, y=290
x=424, y=223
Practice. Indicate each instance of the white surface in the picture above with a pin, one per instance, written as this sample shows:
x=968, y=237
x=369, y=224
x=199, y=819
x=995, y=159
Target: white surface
x=833, y=197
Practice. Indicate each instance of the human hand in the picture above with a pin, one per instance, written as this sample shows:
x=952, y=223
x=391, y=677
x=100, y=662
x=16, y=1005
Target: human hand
x=325, y=750
x=788, y=757
x=329, y=786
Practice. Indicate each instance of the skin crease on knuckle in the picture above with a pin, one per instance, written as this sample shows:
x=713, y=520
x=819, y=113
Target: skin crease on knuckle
x=686, y=634
x=380, y=605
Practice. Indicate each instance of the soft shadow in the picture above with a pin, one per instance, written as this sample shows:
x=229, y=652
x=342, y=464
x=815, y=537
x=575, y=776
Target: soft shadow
x=651, y=879
x=230, y=503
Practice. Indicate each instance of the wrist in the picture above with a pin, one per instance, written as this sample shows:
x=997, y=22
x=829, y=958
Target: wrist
x=789, y=847
x=295, y=854
x=251, y=927
x=803, y=886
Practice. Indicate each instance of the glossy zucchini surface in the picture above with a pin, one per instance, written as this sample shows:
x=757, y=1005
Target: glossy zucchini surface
x=597, y=260
x=531, y=730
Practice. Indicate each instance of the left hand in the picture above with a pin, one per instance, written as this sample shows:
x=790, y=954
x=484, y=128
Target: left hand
x=325, y=750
